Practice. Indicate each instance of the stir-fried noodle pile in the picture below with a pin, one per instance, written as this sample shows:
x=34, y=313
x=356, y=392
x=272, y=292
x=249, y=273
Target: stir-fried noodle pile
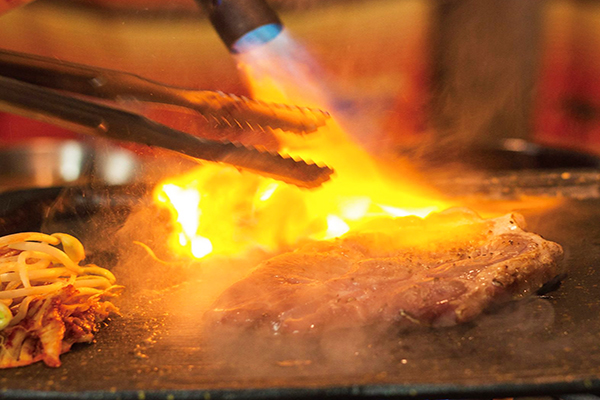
x=40, y=282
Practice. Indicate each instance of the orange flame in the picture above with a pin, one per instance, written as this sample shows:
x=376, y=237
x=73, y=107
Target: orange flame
x=220, y=210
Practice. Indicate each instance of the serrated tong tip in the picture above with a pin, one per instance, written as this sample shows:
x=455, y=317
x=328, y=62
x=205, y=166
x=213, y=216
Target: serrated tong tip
x=26, y=88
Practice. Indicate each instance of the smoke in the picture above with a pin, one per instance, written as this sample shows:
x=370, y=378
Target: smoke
x=169, y=298
x=485, y=56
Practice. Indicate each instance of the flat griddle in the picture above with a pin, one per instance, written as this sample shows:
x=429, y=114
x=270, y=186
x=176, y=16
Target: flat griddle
x=549, y=344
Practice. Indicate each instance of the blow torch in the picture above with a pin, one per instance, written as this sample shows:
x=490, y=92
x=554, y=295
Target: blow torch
x=243, y=24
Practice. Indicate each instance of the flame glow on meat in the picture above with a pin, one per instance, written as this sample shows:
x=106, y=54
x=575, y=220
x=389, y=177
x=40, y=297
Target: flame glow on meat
x=220, y=211
x=438, y=271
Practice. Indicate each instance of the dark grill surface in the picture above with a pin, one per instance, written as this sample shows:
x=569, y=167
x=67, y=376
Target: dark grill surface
x=543, y=346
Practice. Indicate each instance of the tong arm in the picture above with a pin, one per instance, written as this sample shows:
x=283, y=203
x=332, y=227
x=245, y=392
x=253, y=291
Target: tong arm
x=224, y=110
x=91, y=118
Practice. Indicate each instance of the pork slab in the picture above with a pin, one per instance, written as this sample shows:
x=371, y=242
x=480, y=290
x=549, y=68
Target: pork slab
x=438, y=271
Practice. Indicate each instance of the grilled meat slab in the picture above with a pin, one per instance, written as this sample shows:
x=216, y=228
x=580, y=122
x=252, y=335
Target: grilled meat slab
x=438, y=271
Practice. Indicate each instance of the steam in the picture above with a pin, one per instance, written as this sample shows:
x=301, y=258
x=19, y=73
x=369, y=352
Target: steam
x=172, y=296
x=485, y=60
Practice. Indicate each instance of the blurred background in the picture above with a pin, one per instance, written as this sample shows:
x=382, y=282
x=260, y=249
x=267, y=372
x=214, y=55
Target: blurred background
x=440, y=77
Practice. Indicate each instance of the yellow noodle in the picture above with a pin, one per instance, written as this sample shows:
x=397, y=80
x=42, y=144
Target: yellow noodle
x=154, y=256
x=9, y=267
x=95, y=282
x=38, y=275
x=34, y=290
x=22, y=313
x=71, y=246
x=11, y=285
x=22, y=263
x=40, y=264
x=92, y=269
x=38, y=254
x=58, y=254
x=43, y=259
x=43, y=262
x=28, y=236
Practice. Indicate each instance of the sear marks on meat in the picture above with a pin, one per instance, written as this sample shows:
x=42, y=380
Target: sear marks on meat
x=438, y=271
x=54, y=322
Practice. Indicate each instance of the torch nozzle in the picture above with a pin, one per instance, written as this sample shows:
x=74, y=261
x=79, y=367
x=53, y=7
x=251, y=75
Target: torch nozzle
x=243, y=24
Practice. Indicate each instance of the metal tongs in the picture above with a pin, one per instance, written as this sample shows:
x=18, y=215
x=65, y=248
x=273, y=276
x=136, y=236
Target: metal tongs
x=35, y=87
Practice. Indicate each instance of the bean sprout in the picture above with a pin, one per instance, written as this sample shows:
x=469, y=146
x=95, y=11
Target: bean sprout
x=32, y=265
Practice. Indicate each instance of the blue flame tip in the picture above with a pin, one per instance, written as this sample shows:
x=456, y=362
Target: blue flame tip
x=256, y=37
